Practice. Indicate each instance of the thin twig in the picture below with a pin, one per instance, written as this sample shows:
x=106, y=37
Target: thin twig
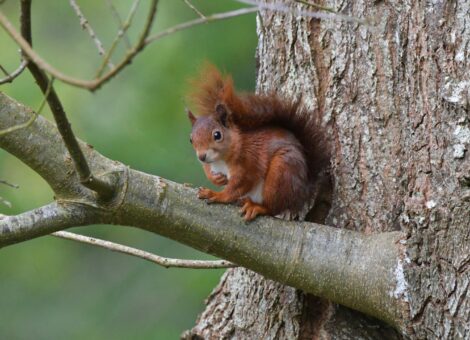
x=285, y=8
x=86, y=26
x=161, y=261
x=11, y=76
x=5, y=72
x=317, y=6
x=198, y=12
x=199, y=21
x=5, y=202
x=122, y=30
x=87, y=84
x=33, y=116
x=9, y=184
x=104, y=188
x=119, y=20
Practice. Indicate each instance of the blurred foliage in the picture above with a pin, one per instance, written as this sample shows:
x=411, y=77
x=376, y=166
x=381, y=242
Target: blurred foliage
x=57, y=289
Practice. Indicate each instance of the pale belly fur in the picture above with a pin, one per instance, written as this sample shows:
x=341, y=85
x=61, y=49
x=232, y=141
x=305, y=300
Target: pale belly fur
x=255, y=194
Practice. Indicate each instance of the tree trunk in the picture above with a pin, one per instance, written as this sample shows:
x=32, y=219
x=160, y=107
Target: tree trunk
x=394, y=99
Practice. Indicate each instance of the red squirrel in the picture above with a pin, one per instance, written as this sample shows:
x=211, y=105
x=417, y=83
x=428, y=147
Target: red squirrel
x=265, y=150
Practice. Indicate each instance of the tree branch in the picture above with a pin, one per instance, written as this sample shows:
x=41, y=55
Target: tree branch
x=58, y=171
x=358, y=271
x=161, y=261
x=199, y=21
x=104, y=188
x=45, y=220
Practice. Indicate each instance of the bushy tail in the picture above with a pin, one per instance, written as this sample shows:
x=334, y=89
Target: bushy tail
x=270, y=110
x=249, y=111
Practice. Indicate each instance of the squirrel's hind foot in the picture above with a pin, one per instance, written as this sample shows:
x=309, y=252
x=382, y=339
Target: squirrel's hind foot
x=251, y=210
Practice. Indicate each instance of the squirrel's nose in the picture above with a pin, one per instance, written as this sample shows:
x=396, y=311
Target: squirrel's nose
x=202, y=157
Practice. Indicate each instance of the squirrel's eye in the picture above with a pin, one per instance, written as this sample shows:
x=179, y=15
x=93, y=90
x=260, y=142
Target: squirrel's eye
x=217, y=135
x=190, y=140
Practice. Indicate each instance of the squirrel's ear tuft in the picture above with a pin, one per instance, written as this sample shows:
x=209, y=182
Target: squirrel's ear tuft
x=221, y=111
x=191, y=117
x=206, y=89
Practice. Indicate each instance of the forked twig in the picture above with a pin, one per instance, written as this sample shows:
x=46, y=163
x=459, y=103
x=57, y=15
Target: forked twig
x=119, y=20
x=161, y=261
x=198, y=12
x=11, y=76
x=122, y=30
x=33, y=116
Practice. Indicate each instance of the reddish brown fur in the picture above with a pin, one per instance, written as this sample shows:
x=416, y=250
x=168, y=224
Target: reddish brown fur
x=265, y=139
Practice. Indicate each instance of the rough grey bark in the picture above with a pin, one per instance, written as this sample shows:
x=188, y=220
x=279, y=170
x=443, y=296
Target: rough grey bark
x=224, y=318
x=245, y=305
x=395, y=101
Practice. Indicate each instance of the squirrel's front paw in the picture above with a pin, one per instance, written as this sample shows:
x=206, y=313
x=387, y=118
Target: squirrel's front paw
x=219, y=179
x=208, y=194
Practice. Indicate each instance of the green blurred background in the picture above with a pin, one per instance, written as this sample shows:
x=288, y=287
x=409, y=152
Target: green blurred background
x=58, y=289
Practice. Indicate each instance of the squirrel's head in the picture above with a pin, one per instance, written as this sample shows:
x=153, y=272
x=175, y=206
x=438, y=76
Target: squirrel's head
x=211, y=135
